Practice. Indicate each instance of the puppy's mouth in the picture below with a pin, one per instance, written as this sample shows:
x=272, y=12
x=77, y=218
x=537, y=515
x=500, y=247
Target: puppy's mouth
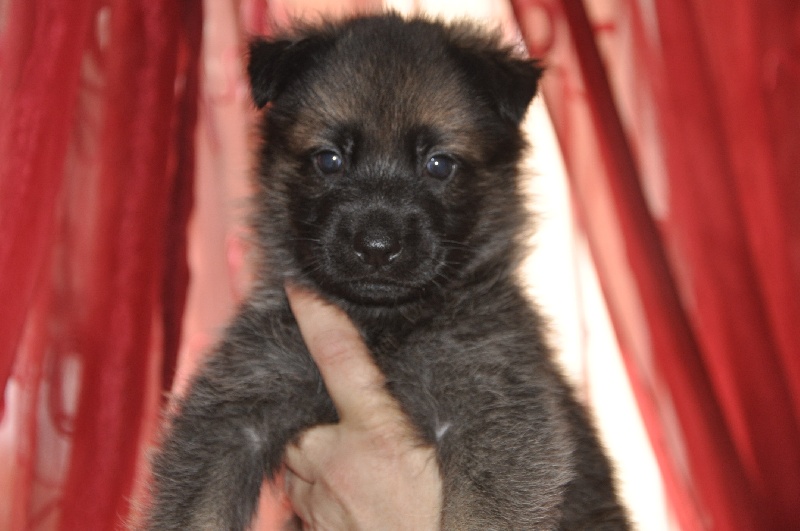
x=360, y=281
x=378, y=291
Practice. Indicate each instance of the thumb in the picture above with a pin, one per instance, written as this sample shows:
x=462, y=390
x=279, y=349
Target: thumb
x=354, y=382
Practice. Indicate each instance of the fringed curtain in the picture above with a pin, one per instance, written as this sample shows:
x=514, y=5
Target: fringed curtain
x=97, y=111
x=680, y=127
x=678, y=122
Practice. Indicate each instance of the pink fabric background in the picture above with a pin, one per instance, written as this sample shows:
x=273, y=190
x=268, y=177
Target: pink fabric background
x=678, y=121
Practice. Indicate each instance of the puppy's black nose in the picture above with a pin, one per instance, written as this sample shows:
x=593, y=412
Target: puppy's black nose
x=377, y=246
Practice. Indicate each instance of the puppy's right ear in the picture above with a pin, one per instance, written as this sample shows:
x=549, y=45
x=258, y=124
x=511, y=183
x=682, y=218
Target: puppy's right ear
x=263, y=67
x=273, y=65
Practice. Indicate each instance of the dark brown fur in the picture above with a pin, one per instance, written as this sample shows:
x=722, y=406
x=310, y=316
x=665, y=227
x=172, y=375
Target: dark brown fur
x=422, y=255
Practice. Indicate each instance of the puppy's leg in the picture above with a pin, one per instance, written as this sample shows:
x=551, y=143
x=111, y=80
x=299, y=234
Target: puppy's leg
x=591, y=501
x=507, y=457
x=209, y=472
x=495, y=480
x=253, y=396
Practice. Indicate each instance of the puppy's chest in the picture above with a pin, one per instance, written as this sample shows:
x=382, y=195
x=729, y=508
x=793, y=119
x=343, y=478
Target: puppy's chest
x=422, y=374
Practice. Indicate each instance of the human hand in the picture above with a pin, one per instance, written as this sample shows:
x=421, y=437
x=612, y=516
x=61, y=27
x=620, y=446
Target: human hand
x=370, y=471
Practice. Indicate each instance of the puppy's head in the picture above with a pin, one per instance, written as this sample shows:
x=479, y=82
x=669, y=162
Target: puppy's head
x=388, y=170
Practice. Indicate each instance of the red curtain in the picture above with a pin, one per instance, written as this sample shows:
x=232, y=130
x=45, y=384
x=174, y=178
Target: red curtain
x=678, y=121
x=97, y=111
x=680, y=127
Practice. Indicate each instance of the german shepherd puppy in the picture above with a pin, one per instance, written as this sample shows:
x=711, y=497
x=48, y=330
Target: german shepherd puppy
x=388, y=181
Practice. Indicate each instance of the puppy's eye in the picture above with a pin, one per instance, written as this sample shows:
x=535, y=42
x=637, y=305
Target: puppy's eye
x=328, y=162
x=440, y=166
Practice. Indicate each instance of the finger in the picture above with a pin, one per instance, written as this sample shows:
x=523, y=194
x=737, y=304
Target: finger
x=305, y=457
x=354, y=382
x=298, y=464
x=298, y=491
x=294, y=485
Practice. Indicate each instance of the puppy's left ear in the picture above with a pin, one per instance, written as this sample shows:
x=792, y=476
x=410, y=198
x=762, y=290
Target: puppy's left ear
x=273, y=65
x=508, y=82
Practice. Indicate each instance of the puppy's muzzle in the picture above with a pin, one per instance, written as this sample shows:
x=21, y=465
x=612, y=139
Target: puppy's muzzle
x=376, y=250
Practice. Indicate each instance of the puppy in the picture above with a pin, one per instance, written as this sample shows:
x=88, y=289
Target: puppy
x=388, y=182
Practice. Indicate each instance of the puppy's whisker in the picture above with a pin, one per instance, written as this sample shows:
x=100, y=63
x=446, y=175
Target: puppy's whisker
x=457, y=245
x=307, y=240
